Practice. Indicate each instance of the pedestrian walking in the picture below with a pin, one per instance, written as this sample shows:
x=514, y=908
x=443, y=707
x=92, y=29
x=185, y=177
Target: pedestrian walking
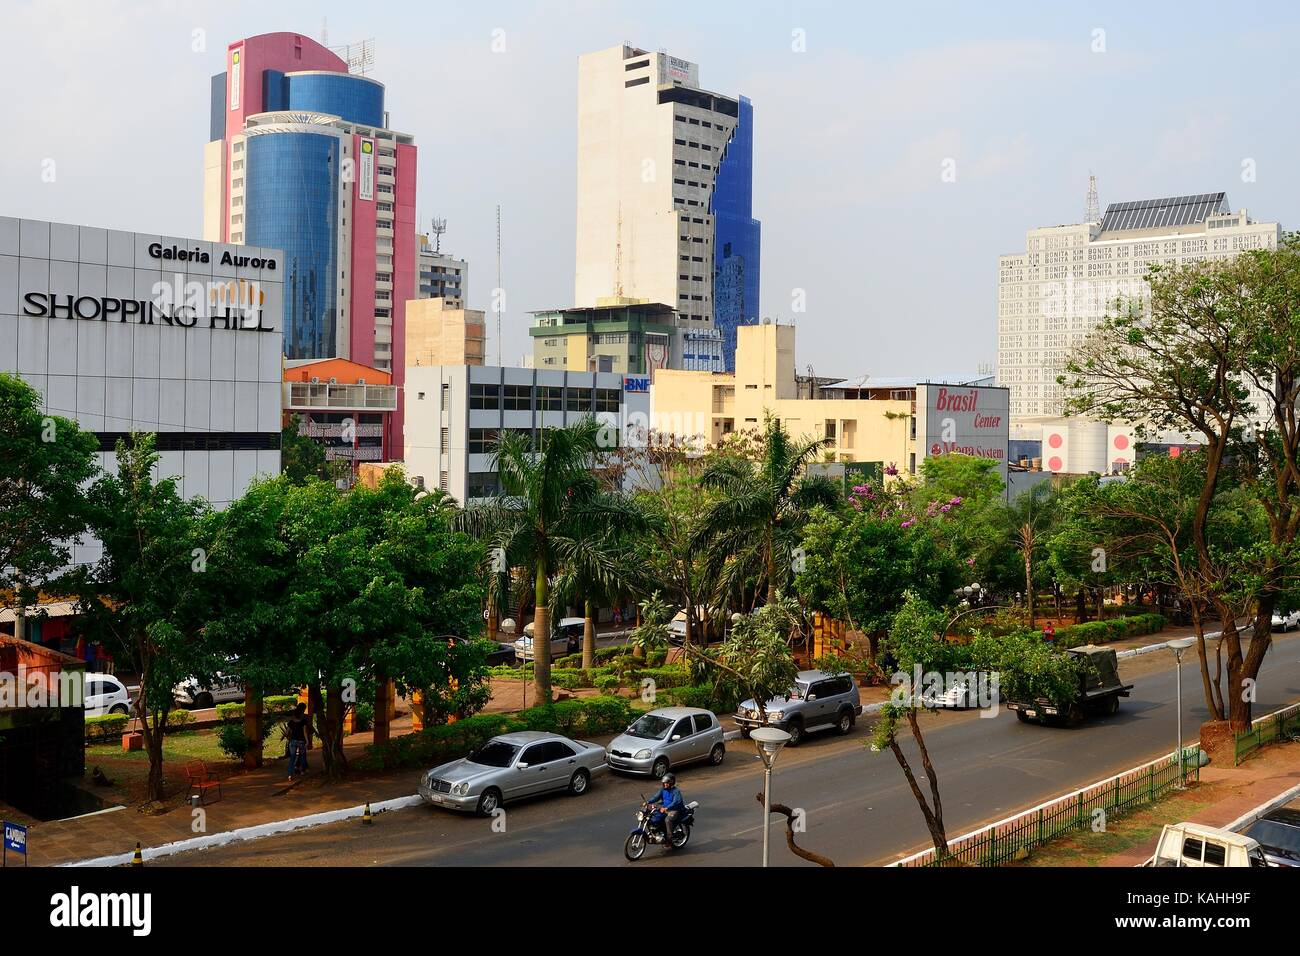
x=298, y=740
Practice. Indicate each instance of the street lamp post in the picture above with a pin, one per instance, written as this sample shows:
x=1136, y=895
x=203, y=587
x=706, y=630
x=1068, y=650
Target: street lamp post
x=768, y=741
x=1178, y=647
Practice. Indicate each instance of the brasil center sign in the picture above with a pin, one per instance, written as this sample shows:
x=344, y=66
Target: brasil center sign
x=964, y=420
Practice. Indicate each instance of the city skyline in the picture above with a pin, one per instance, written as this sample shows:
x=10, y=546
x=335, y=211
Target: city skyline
x=890, y=148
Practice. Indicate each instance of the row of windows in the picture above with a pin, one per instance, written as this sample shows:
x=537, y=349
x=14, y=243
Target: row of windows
x=545, y=398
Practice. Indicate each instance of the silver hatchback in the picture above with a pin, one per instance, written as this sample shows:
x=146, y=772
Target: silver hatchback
x=666, y=738
x=511, y=767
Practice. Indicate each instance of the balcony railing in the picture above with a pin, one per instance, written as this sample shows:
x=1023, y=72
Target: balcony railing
x=309, y=395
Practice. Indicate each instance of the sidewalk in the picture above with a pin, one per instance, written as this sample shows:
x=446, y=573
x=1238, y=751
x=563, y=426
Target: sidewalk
x=250, y=798
x=1227, y=792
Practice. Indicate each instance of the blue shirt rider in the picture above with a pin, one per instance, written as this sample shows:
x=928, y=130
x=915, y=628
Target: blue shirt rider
x=670, y=802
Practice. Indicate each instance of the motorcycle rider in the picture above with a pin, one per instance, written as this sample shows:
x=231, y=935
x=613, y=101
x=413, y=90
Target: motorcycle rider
x=670, y=802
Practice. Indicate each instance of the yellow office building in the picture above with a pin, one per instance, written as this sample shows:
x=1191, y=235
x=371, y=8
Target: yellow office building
x=863, y=420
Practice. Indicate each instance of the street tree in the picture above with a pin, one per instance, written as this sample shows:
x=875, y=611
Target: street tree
x=1214, y=353
x=151, y=593
x=45, y=462
x=755, y=524
x=551, y=494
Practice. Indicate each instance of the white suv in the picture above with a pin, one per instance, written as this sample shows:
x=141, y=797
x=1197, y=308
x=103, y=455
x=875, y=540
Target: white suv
x=105, y=694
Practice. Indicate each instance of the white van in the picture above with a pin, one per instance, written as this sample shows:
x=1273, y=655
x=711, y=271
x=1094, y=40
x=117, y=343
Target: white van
x=1191, y=844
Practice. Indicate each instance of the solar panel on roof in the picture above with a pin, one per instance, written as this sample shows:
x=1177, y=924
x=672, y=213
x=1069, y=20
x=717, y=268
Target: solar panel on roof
x=1159, y=213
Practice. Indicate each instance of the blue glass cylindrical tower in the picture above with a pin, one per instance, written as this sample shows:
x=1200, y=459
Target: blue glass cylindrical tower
x=291, y=203
x=354, y=98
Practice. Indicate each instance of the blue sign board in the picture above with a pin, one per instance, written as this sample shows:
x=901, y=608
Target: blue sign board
x=15, y=837
x=636, y=383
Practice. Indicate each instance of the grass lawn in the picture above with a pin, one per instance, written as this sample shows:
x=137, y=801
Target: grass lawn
x=1138, y=828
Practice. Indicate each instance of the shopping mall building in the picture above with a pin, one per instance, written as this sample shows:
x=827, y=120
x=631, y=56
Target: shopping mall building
x=131, y=332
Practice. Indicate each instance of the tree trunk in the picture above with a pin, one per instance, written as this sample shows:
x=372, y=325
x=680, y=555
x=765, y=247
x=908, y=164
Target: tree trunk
x=588, y=635
x=152, y=726
x=329, y=725
x=932, y=822
x=542, y=636
x=1029, y=586
x=253, y=727
x=383, y=691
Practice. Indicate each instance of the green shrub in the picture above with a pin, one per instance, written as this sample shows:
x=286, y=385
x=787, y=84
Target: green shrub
x=608, y=683
x=363, y=717
x=656, y=657
x=231, y=740
x=567, y=661
x=606, y=654
x=436, y=745
x=567, y=678
x=722, y=701
x=101, y=729
x=664, y=677
x=279, y=703
x=179, y=718
x=230, y=712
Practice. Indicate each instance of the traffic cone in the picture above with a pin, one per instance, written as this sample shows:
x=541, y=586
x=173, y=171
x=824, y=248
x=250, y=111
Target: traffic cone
x=138, y=859
x=366, y=818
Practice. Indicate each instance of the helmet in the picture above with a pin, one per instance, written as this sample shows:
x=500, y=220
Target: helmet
x=669, y=780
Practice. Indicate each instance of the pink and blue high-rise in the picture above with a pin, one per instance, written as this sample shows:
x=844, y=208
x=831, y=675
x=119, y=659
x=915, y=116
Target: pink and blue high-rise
x=301, y=159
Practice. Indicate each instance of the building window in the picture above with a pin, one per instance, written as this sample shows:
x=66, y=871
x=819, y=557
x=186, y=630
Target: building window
x=484, y=396
x=578, y=399
x=519, y=398
x=482, y=441
x=607, y=399
x=446, y=398
x=550, y=398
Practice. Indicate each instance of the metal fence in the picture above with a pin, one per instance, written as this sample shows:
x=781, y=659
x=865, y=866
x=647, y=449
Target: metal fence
x=1001, y=842
x=1265, y=730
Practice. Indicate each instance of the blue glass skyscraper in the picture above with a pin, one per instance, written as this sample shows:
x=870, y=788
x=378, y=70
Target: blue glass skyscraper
x=737, y=237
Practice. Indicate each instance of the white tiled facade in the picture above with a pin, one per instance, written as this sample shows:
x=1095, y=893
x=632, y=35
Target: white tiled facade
x=1066, y=281
x=455, y=411
x=215, y=386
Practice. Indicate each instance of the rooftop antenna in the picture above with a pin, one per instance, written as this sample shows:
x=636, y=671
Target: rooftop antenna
x=324, y=31
x=1093, y=211
x=360, y=57
x=500, y=299
x=438, y=228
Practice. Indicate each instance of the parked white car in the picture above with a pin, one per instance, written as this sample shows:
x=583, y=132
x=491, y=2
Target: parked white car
x=105, y=694
x=1285, y=620
x=566, y=638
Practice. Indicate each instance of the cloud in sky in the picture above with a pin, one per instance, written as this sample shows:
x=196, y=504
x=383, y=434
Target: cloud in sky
x=898, y=265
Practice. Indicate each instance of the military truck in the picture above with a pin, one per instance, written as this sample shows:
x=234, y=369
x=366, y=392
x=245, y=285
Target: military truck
x=1098, y=691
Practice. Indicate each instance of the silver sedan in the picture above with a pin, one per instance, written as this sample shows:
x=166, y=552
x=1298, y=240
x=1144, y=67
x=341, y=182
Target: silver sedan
x=512, y=767
x=666, y=738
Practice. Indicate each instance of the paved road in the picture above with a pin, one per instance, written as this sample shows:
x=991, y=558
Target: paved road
x=859, y=809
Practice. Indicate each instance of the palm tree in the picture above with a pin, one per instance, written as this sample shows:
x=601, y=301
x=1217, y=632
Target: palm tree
x=1030, y=516
x=544, y=519
x=755, y=524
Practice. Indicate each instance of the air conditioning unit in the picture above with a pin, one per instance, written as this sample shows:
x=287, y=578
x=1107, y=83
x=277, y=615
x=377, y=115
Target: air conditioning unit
x=315, y=379
x=334, y=381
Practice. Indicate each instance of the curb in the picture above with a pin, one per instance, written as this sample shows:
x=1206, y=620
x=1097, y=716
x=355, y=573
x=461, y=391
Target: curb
x=256, y=832
x=1246, y=819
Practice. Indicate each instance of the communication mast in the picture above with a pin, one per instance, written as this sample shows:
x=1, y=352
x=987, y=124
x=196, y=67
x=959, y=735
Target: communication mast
x=1093, y=211
x=499, y=304
x=436, y=230
x=360, y=57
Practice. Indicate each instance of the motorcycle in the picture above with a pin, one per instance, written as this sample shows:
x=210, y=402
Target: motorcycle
x=646, y=831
